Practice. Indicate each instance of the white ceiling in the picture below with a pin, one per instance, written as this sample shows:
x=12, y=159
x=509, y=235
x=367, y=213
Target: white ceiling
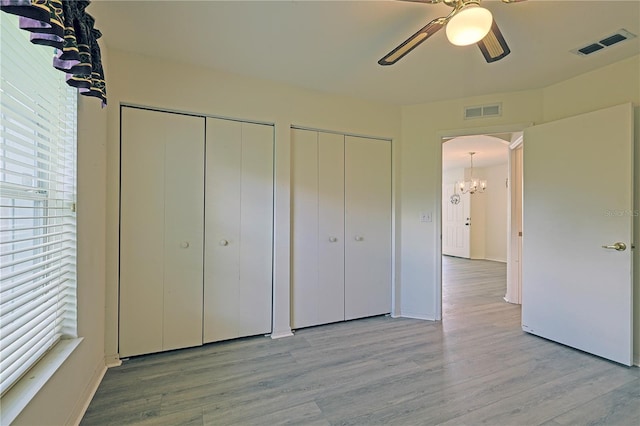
x=490, y=150
x=334, y=46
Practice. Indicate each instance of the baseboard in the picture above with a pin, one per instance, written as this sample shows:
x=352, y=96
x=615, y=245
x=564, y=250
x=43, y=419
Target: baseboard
x=83, y=403
x=418, y=316
x=636, y=360
x=112, y=360
x=496, y=260
x=281, y=334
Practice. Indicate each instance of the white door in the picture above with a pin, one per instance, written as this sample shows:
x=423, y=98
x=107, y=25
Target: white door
x=455, y=222
x=367, y=227
x=318, y=228
x=578, y=197
x=238, y=230
x=330, y=296
x=161, y=232
x=304, y=232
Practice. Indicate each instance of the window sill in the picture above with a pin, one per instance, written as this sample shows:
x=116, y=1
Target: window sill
x=19, y=396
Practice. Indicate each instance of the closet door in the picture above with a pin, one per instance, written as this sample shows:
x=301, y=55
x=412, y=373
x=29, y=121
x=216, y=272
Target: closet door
x=239, y=224
x=161, y=236
x=318, y=228
x=330, y=228
x=304, y=232
x=367, y=227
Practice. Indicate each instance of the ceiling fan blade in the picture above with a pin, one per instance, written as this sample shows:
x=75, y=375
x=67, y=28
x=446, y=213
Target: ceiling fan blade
x=493, y=46
x=412, y=42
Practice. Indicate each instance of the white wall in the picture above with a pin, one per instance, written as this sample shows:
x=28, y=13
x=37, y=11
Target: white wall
x=496, y=208
x=452, y=176
x=478, y=216
x=163, y=84
x=64, y=397
x=423, y=126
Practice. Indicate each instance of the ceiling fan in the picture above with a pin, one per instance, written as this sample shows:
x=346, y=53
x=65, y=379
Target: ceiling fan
x=467, y=23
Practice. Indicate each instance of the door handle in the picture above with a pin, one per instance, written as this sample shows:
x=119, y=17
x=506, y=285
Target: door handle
x=224, y=242
x=616, y=246
x=359, y=238
x=332, y=239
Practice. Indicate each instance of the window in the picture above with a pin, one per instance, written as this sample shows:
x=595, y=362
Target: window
x=37, y=203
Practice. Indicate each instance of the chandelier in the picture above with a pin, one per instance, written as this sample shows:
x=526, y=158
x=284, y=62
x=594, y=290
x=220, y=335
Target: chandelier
x=472, y=185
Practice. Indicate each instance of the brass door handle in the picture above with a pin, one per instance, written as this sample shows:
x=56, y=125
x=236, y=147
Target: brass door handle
x=616, y=246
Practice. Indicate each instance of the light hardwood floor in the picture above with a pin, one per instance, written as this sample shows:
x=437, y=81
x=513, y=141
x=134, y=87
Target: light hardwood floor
x=474, y=367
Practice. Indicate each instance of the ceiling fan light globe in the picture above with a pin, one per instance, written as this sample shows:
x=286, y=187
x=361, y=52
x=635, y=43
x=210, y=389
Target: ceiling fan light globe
x=469, y=26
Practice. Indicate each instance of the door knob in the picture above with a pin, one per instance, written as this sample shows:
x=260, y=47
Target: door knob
x=184, y=244
x=224, y=242
x=616, y=246
x=359, y=238
x=333, y=239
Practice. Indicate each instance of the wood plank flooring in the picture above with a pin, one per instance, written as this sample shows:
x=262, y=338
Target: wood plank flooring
x=474, y=367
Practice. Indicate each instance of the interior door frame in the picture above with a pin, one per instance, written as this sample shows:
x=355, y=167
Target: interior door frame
x=442, y=136
x=513, y=293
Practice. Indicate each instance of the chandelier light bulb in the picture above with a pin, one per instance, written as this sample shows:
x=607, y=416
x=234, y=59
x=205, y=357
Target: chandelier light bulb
x=469, y=26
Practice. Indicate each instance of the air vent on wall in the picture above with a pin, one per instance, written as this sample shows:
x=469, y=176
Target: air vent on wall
x=608, y=41
x=481, y=111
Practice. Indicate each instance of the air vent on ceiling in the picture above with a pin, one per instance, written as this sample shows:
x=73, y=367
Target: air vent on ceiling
x=481, y=111
x=608, y=41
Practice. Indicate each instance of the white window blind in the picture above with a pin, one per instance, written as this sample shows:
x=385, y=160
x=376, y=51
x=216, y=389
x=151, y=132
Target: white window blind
x=37, y=203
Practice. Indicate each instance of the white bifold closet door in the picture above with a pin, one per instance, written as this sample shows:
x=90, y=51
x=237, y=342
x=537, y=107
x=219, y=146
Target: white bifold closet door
x=341, y=233
x=239, y=230
x=318, y=235
x=161, y=235
x=367, y=197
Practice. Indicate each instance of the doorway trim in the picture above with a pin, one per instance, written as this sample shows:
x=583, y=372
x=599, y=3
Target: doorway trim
x=514, y=222
x=442, y=136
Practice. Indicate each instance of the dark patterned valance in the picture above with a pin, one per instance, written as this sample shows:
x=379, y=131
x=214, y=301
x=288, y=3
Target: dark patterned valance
x=64, y=25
